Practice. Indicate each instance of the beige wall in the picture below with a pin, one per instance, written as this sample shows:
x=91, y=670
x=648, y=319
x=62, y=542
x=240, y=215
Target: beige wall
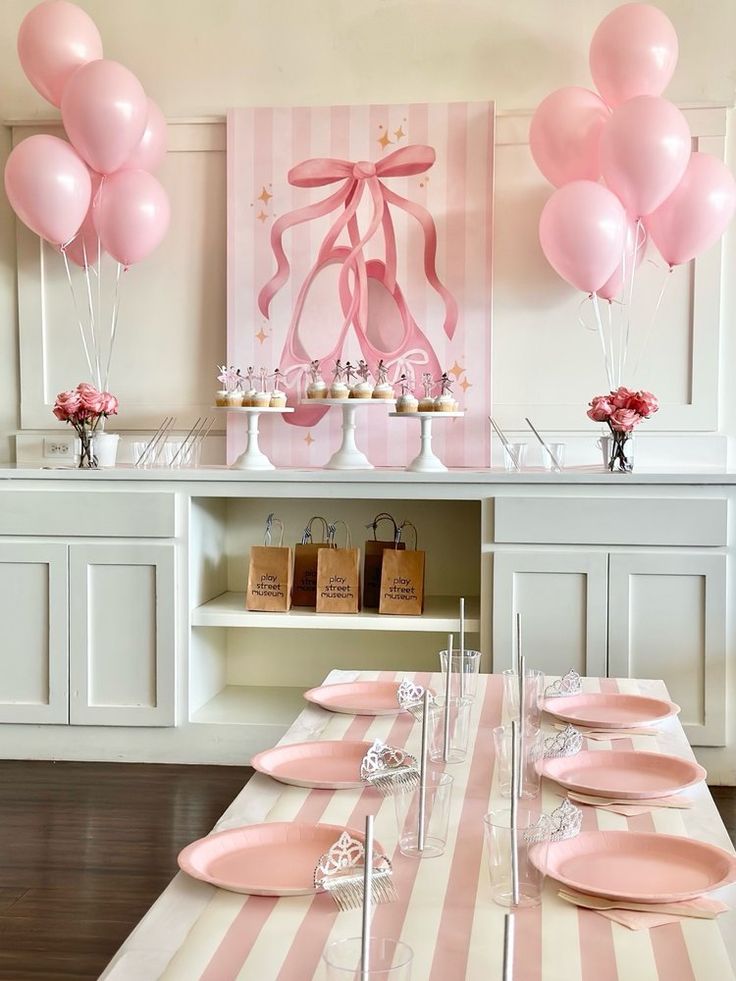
x=201, y=56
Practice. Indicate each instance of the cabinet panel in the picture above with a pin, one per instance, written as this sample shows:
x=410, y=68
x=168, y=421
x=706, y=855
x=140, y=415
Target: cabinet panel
x=34, y=648
x=668, y=620
x=122, y=635
x=561, y=597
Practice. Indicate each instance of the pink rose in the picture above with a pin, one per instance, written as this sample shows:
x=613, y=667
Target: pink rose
x=66, y=406
x=91, y=400
x=600, y=408
x=624, y=420
x=644, y=403
x=620, y=398
x=110, y=404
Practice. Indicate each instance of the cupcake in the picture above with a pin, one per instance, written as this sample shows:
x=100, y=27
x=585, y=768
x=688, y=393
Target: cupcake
x=407, y=401
x=445, y=401
x=221, y=397
x=249, y=389
x=383, y=389
x=426, y=402
x=231, y=393
x=317, y=388
x=261, y=398
x=234, y=399
x=351, y=377
x=363, y=389
x=338, y=389
x=278, y=398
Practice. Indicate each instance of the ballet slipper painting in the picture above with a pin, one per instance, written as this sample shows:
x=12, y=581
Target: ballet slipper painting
x=362, y=232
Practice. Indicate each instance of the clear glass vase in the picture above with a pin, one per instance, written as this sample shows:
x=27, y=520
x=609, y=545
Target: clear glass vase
x=87, y=458
x=618, y=451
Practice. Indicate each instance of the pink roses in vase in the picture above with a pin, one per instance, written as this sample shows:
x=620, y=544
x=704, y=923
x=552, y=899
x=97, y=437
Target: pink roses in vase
x=84, y=407
x=622, y=411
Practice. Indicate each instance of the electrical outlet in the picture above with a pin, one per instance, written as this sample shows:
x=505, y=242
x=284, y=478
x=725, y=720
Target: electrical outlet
x=58, y=448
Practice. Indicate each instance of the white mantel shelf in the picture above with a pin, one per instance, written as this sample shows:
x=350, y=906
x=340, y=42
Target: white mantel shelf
x=582, y=475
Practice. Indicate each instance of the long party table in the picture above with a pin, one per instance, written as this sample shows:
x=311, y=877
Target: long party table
x=445, y=911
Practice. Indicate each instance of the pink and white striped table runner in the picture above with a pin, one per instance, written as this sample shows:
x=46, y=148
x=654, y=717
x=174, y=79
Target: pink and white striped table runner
x=445, y=911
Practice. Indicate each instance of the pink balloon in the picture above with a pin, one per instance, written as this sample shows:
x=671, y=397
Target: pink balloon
x=104, y=110
x=150, y=152
x=633, y=52
x=82, y=250
x=54, y=39
x=48, y=187
x=581, y=232
x=565, y=133
x=131, y=214
x=635, y=245
x=645, y=148
x=697, y=213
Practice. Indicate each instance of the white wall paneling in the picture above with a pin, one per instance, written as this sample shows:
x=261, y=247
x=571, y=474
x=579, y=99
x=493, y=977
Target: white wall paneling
x=562, y=600
x=546, y=364
x=122, y=663
x=35, y=637
x=171, y=332
x=667, y=619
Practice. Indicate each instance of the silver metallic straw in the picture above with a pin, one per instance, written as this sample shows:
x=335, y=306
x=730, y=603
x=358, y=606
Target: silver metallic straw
x=514, y=812
x=522, y=704
x=446, y=740
x=553, y=458
x=462, y=645
x=518, y=640
x=365, y=938
x=423, y=766
x=508, y=947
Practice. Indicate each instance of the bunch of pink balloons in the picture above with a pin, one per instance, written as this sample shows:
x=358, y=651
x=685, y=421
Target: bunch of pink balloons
x=96, y=191
x=622, y=163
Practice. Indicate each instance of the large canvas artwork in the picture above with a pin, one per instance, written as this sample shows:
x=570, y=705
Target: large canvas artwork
x=363, y=232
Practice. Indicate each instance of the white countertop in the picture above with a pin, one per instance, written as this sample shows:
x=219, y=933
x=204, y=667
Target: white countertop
x=581, y=475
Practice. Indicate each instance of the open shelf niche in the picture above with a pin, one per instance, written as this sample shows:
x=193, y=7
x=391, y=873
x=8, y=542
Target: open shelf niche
x=251, y=669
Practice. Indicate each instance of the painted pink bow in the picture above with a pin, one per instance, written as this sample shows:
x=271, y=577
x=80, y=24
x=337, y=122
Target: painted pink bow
x=356, y=177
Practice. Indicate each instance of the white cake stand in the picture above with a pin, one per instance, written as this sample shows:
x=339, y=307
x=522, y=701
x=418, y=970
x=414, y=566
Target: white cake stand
x=427, y=461
x=253, y=458
x=349, y=457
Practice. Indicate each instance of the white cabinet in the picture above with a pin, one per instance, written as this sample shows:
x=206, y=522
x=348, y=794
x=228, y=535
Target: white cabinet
x=667, y=619
x=122, y=634
x=34, y=623
x=561, y=596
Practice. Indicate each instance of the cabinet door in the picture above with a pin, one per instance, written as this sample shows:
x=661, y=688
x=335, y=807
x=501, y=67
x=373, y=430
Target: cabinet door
x=35, y=633
x=561, y=597
x=667, y=619
x=122, y=652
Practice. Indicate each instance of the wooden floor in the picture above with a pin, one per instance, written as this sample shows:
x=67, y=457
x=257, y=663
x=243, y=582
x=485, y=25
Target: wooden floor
x=85, y=848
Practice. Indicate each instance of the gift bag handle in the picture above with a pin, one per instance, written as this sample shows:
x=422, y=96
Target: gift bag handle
x=383, y=516
x=407, y=524
x=333, y=531
x=307, y=536
x=271, y=520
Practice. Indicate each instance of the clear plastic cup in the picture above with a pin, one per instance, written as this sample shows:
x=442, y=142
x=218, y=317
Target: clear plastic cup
x=514, y=456
x=388, y=960
x=530, y=841
x=465, y=683
x=457, y=730
x=532, y=750
x=533, y=695
x=437, y=797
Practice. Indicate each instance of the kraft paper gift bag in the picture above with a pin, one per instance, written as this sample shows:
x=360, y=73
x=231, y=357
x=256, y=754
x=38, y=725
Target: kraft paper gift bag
x=269, y=573
x=338, y=576
x=402, y=580
x=304, y=592
x=373, y=562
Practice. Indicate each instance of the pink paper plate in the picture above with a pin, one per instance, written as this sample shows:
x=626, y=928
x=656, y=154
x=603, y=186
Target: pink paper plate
x=357, y=697
x=328, y=765
x=263, y=859
x=623, y=775
x=612, y=710
x=638, y=867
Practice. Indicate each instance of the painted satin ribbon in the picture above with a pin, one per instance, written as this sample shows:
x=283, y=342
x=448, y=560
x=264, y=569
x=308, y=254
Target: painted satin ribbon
x=357, y=177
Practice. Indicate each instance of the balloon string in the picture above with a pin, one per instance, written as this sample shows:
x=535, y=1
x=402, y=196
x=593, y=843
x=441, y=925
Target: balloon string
x=606, y=360
x=667, y=275
x=96, y=204
x=114, y=323
x=90, y=307
x=78, y=316
x=625, y=345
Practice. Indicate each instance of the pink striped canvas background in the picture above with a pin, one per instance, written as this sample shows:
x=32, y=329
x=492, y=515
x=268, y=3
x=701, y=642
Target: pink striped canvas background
x=263, y=144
